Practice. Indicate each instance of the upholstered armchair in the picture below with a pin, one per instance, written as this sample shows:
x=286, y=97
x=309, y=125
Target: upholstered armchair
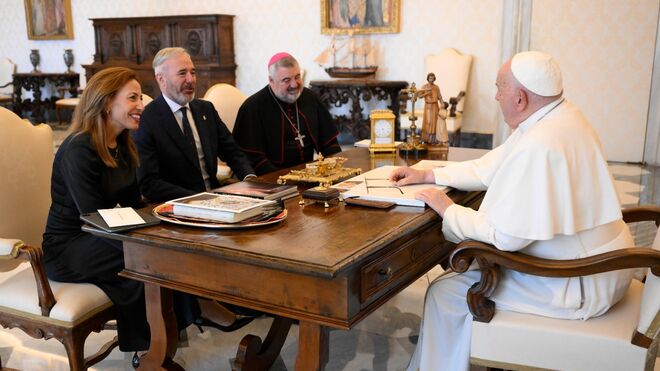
x=226, y=99
x=41, y=308
x=146, y=99
x=624, y=338
x=452, y=72
x=7, y=69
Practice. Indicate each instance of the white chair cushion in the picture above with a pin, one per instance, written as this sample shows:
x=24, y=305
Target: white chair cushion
x=75, y=301
x=68, y=102
x=649, y=321
x=7, y=246
x=600, y=343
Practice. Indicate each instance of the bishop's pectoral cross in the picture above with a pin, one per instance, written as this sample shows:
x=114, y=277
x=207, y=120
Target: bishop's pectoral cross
x=300, y=138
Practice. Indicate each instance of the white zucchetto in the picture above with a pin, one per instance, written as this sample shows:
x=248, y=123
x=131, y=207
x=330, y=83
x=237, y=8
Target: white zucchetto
x=538, y=72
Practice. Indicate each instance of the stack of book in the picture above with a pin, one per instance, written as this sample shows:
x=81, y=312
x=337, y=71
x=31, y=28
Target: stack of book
x=220, y=207
x=266, y=191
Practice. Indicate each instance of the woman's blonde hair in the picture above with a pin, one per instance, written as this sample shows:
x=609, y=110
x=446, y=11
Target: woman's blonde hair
x=91, y=114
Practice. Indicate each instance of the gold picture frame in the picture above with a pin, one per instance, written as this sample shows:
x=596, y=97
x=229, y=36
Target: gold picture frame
x=359, y=16
x=49, y=19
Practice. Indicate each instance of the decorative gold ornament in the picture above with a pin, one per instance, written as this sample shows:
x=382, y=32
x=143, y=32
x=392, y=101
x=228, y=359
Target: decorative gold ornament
x=413, y=142
x=382, y=131
x=325, y=171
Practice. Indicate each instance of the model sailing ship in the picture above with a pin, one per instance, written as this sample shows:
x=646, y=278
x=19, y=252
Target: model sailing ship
x=344, y=59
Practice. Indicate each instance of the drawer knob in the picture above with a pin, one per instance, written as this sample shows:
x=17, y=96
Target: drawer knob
x=386, y=272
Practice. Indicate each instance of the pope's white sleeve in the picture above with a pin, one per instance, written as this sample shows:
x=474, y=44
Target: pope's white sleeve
x=464, y=175
x=461, y=223
x=473, y=175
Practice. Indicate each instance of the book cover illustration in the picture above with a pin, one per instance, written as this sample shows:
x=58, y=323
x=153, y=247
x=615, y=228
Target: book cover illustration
x=267, y=191
x=219, y=207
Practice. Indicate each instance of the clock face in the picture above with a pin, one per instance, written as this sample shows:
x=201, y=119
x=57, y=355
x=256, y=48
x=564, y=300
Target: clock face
x=383, y=128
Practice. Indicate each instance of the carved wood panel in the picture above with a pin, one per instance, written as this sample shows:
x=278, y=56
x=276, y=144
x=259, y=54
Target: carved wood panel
x=133, y=43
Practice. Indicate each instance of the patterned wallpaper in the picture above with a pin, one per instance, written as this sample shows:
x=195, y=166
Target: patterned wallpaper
x=262, y=28
x=605, y=49
x=604, y=46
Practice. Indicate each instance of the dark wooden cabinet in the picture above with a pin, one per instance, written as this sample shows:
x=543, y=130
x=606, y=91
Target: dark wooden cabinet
x=133, y=43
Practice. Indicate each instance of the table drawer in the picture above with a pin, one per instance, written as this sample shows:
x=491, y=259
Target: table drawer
x=399, y=262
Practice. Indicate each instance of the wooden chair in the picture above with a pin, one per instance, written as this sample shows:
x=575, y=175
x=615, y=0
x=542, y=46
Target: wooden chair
x=452, y=72
x=28, y=300
x=146, y=99
x=624, y=338
x=65, y=103
x=7, y=69
x=226, y=99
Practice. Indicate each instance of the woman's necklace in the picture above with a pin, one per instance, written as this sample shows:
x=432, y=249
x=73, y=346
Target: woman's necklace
x=115, y=152
x=296, y=128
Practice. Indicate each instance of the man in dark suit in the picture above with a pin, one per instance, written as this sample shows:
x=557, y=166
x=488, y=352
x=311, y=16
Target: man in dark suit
x=180, y=138
x=179, y=141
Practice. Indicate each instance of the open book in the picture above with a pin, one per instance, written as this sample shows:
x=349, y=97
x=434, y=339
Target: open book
x=374, y=185
x=219, y=207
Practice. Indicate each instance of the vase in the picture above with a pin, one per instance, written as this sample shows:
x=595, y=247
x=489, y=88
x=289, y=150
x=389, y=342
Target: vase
x=68, y=59
x=35, y=58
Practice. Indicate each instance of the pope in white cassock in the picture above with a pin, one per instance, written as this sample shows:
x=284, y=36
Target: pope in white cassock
x=549, y=195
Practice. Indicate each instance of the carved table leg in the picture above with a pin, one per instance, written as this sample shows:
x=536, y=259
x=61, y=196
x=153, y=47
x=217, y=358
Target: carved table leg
x=312, y=347
x=164, y=336
x=253, y=355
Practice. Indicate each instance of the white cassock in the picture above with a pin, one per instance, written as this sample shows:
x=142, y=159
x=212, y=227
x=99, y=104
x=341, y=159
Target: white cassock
x=549, y=195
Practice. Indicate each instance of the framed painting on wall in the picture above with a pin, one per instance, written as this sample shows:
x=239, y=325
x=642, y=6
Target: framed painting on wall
x=359, y=16
x=49, y=19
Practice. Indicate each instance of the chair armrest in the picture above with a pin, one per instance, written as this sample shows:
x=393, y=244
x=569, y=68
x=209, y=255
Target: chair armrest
x=642, y=213
x=490, y=259
x=35, y=255
x=453, y=102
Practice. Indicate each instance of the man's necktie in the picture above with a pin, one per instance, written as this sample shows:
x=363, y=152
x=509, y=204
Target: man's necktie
x=187, y=130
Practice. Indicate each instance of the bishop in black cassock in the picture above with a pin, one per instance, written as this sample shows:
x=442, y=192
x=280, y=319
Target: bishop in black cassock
x=270, y=130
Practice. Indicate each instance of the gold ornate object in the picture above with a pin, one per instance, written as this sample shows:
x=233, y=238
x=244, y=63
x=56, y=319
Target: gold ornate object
x=413, y=142
x=325, y=171
x=382, y=131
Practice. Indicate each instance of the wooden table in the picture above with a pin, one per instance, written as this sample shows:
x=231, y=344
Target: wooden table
x=34, y=82
x=340, y=91
x=324, y=267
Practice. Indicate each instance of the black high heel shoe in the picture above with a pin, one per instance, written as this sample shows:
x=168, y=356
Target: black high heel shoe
x=240, y=322
x=135, y=362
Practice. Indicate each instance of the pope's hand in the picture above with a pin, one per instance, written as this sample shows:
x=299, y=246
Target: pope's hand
x=436, y=199
x=406, y=175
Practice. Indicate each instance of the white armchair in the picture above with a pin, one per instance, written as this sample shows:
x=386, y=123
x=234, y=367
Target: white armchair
x=452, y=72
x=28, y=300
x=7, y=69
x=146, y=99
x=624, y=338
x=226, y=99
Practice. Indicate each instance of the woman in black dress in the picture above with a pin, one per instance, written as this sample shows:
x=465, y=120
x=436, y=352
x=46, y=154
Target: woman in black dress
x=95, y=169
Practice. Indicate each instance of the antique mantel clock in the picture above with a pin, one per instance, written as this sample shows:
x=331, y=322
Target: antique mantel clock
x=382, y=131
